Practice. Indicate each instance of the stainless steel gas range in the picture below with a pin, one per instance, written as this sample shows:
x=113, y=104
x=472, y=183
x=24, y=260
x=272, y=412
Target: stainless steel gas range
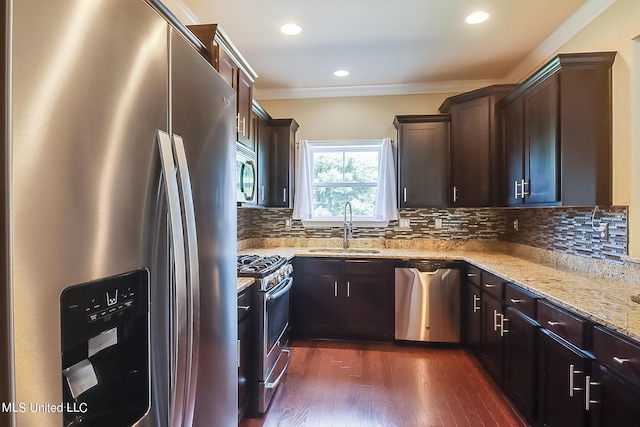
x=274, y=280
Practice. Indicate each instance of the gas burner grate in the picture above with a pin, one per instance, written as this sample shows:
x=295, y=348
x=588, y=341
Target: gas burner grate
x=257, y=264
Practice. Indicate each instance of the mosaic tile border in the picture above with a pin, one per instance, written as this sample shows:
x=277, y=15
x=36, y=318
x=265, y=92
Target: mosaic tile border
x=566, y=230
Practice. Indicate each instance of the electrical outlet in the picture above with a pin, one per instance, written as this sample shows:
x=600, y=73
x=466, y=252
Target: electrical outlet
x=601, y=232
x=287, y=222
x=404, y=223
x=516, y=224
x=438, y=222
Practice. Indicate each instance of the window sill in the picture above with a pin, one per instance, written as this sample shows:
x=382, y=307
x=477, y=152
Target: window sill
x=332, y=223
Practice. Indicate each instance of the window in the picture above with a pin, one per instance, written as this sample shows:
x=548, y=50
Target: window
x=333, y=173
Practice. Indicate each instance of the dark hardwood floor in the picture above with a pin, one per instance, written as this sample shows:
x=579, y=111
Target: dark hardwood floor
x=361, y=385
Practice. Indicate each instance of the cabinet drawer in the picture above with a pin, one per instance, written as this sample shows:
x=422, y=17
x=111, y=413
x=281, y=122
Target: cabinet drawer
x=617, y=353
x=321, y=266
x=363, y=267
x=473, y=274
x=521, y=300
x=244, y=305
x=492, y=285
x=562, y=323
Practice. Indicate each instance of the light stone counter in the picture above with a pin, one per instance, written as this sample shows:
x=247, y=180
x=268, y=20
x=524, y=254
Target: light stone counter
x=244, y=282
x=598, y=294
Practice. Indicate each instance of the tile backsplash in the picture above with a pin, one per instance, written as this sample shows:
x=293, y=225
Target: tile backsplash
x=567, y=230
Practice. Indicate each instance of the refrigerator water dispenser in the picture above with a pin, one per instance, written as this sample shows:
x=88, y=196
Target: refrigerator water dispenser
x=105, y=351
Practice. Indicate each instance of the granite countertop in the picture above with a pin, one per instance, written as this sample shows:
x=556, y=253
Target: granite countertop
x=605, y=301
x=244, y=282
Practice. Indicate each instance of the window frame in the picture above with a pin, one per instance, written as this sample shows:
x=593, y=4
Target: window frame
x=344, y=147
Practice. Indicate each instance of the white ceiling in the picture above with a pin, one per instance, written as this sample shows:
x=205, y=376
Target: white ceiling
x=391, y=46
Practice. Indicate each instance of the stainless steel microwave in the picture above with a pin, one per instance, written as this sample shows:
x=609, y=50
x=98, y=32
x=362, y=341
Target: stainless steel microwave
x=246, y=181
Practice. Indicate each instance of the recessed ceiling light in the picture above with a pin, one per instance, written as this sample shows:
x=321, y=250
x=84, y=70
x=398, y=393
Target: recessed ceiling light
x=341, y=73
x=291, y=29
x=477, y=17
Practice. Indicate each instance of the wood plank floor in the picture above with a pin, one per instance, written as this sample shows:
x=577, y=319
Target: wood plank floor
x=360, y=385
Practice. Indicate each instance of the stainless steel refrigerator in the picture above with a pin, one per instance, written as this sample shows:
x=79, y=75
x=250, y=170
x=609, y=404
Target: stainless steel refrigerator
x=107, y=104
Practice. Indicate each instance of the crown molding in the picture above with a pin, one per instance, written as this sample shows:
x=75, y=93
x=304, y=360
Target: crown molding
x=373, y=90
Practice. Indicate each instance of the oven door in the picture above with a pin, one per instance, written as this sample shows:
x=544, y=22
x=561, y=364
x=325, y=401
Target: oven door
x=276, y=354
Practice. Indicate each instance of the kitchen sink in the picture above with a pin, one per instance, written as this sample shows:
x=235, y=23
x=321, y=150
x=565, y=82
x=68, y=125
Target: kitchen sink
x=346, y=251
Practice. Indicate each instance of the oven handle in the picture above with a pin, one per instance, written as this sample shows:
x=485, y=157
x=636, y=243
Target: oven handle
x=275, y=383
x=281, y=289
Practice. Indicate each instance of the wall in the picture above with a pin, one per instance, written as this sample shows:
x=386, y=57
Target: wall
x=367, y=117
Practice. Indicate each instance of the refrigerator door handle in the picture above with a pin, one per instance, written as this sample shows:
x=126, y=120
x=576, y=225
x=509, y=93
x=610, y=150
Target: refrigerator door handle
x=178, y=297
x=193, y=276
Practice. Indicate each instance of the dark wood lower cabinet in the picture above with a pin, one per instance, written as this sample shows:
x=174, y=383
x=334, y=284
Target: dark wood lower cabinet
x=520, y=361
x=492, y=339
x=472, y=317
x=343, y=299
x=562, y=375
x=613, y=401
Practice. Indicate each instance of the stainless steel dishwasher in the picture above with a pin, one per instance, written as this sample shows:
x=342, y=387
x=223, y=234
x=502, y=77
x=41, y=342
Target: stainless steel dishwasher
x=427, y=301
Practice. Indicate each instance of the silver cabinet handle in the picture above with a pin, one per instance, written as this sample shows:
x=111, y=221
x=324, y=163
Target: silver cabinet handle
x=348, y=290
x=335, y=289
x=489, y=285
x=502, y=329
x=244, y=307
x=476, y=307
x=587, y=393
x=455, y=194
x=516, y=194
x=471, y=275
x=524, y=191
x=284, y=195
x=620, y=360
x=516, y=301
x=572, y=372
x=404, y=194
x=496, y=315
x=553, y=323
x=238, y=355
x=262, y=192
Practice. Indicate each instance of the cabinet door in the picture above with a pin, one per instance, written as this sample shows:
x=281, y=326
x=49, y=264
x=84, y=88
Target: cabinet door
x=244, y=98
x=472, y=318
x=279, y=171
x=470, y=139
x=541, y=139
x=562, y=377
x=491, y=333
x=512, y=124
x=244, y=364
x=263, y=148
x=520, y=373
x=316, y=309
x=423, y=165
x=368, y=308
x=613, y=401
x=227, y=69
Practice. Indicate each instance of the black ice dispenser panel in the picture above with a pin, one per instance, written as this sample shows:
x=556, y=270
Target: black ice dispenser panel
x=105, y=351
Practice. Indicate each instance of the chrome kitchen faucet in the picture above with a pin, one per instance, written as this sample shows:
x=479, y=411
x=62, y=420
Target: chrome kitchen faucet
x=347, y=227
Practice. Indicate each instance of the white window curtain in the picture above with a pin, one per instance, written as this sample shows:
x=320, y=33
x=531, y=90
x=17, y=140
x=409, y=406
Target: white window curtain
x=385, y=208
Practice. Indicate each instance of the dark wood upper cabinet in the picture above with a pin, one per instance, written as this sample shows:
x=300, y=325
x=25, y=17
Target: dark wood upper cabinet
x=276, y=156
x=560, y=119
x=475, y=152
x=235, y=70
x=423, y=160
